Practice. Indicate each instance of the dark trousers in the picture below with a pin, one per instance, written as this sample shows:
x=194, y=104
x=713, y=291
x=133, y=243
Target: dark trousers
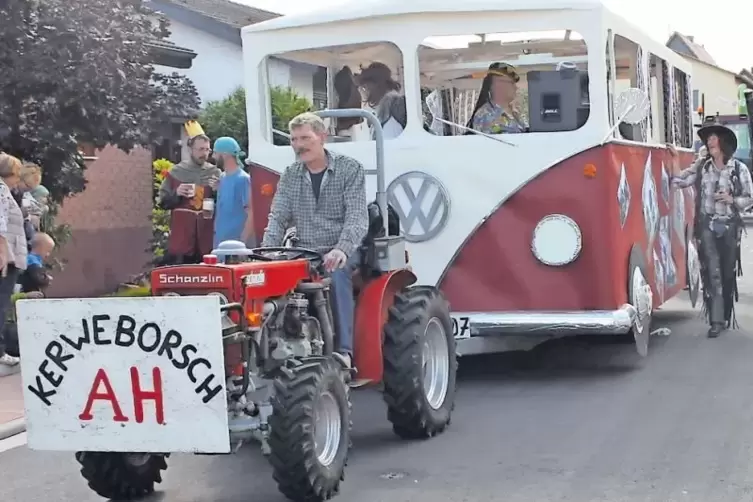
x=719, y=254
x=6, y=291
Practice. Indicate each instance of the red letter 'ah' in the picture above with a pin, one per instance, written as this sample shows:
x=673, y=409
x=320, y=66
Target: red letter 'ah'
x=108, y=395
x=139, y=395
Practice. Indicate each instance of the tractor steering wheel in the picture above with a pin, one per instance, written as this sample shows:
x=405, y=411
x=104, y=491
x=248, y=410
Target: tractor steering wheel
x=281, y=253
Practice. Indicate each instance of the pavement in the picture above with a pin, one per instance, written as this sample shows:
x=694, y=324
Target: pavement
x=11, y=405
x=576, y=420
x=572, y=421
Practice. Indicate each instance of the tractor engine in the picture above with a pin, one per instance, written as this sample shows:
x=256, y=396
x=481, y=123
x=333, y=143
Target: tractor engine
x=295, y=333
x=286, y=331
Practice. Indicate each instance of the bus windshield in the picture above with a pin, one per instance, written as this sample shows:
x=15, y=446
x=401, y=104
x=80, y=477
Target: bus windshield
x=541, y=77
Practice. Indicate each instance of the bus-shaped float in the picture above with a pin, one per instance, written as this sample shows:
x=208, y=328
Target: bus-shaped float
x=569, y=228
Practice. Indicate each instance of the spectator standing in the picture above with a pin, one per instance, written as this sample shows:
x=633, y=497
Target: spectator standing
x=13, y=244
x=35, y=195
x=233, y=219
x=183, y=192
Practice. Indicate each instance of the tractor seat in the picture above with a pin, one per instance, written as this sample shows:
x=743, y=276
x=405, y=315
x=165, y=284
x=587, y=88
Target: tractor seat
x=368, y=266
x=376, y=223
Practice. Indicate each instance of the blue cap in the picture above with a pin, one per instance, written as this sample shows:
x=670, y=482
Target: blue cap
x=227, y=145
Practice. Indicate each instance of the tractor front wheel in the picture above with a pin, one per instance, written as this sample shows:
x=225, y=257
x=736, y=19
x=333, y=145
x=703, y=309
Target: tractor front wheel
x=420, y=363
x=310, y=429
x=122, y=476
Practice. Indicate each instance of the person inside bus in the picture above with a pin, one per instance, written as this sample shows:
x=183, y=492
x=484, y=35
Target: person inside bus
x=383, y=95
x=494, y=112
x=349, y=96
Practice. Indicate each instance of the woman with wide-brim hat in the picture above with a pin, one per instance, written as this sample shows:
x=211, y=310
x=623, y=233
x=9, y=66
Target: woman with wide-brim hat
x=723, y=189
x=721, y=136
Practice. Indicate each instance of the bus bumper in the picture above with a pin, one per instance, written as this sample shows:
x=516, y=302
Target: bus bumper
x=523, y=330
x=531, y=322
x=588, y=322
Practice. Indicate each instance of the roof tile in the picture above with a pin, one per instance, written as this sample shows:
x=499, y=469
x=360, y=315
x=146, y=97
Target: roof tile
x=226, y=11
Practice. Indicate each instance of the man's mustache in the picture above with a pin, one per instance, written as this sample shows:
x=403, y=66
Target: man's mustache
x=301, y=150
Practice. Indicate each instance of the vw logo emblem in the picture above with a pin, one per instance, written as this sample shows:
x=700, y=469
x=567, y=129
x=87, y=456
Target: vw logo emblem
x=421, y=202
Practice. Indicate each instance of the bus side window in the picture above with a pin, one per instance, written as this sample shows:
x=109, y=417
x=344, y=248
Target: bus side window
x=682, y=113
x=506, y=83
x=669, y=116
x=630, y=73
x=661, y=106
x=364, y=75
x=611, y=65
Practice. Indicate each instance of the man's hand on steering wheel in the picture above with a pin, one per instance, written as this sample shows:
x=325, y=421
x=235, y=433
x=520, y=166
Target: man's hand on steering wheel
x=334, y=259
x=277, y=253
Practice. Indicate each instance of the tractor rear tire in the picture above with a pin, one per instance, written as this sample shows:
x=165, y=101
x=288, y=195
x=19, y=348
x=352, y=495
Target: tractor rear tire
x=310, y=429
x=420, y=363
x=119, y=476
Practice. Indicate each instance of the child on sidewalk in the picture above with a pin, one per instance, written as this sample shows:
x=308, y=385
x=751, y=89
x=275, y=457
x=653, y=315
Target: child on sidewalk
x=35, y=277
x=35, y=195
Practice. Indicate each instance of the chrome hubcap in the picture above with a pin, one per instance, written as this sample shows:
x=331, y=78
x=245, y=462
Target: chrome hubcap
x=642, y=299
x=436, y=363
x=694, y=268
x=327, y=428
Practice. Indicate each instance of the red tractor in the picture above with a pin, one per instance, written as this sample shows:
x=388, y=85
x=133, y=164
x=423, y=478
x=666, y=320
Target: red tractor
x=287, y=388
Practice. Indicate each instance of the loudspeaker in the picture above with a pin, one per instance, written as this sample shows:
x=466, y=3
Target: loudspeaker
x=558, y=100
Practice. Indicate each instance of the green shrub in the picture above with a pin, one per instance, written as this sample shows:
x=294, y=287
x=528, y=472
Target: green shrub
x=227, y=117
x=160, y=218
x=135, y=291
x=286, y=104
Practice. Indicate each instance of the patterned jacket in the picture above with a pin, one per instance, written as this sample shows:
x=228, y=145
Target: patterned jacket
x=493, y=119
x=718, y=180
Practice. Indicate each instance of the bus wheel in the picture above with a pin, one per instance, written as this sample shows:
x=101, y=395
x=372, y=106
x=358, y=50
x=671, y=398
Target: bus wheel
x=692, y=270
x=639, y=293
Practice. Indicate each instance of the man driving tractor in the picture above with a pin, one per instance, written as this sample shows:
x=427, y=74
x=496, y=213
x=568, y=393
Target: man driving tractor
x=323, y=195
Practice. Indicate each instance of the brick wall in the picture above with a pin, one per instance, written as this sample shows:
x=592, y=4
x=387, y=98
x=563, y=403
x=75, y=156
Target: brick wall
x=110, y=224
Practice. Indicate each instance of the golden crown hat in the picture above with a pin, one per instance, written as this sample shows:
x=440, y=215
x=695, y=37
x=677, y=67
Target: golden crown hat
x=193, y=128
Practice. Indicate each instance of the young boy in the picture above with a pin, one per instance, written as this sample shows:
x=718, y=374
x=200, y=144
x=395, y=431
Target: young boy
x=35, y=277
x=35, y=195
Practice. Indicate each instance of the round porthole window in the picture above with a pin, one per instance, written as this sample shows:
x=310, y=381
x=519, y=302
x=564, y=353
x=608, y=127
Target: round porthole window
x=557, y=240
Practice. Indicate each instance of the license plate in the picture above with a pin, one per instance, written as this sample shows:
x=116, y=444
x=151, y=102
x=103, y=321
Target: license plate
x=461, y=326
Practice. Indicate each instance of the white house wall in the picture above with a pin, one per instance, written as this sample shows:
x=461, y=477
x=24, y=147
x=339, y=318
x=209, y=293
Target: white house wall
x=719, y=88
x=218, y=70
x=291, y=75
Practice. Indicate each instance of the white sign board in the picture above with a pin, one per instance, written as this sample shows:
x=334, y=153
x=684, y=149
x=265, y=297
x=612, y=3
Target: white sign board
x=124, y=374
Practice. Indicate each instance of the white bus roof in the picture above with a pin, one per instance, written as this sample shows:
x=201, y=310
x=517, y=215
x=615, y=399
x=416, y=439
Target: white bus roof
x=378, y=10
x=361, y=9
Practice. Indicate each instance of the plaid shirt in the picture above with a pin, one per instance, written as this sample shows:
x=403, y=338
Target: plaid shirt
x=339, y=218
x=717, y=180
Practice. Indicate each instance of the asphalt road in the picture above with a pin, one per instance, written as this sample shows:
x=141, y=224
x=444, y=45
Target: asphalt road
x=570, y=421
